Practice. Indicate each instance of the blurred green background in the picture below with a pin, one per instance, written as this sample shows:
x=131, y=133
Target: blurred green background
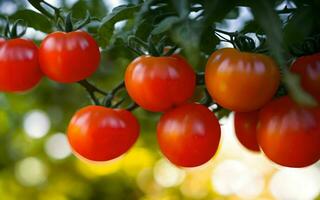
x=36, y=161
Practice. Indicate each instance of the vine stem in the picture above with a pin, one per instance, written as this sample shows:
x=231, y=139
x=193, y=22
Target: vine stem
x=91, y=89
x=132, y=107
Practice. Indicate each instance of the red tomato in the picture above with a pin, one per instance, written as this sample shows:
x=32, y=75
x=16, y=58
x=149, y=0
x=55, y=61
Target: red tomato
x=245, y=125
x=308, y=67
x=69, y=57
x=241, y=81
x=289, y=134
x=99, y=134
x=160, y=83
x=19, y=66
x=189, y=135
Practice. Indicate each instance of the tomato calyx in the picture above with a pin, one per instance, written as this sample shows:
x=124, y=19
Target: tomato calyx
x=309, y=46
x=140, y=47
x=238, y=40
x=11, y=31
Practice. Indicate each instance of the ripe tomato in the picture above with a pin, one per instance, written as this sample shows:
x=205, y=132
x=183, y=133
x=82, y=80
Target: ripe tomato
x=189, y=135
x=98, y=133
x=245, y=125
x=19, y=66
x=159, y=83
x=69, y=57
x=241, y=81
x=308, y=67
x=289, y=134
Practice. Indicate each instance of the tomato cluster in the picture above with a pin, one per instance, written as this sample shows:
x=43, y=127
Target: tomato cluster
x=188, y=133
x=62, y=57
x=288, y=133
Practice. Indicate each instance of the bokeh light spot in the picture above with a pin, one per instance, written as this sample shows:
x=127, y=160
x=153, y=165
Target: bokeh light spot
x=57, y=146
x=31, y=171
x=168, y=175
x=36, y=124
x=298, y=184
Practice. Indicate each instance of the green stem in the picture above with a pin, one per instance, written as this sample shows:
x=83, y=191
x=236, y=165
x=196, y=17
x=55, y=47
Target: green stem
x=110, y=95
x=132, y=107
x=200, y=78
x=86, y=84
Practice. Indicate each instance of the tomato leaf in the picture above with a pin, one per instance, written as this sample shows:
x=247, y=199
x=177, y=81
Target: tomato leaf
x=293, y=33
x=119, y=13
x=96, y=7
x=33, y=19
x=165, y=25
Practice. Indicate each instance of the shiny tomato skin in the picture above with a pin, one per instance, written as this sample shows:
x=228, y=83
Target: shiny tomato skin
x=308, y=67
x=69, y=57
x=245, y=124
x=160, y=83
x=189, y=135
x=100, y=134
x=241, y=81
x=19, y=66
x=289, y=134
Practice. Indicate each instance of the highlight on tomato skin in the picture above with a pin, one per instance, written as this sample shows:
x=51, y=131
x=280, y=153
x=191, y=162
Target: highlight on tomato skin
x=19, y=66
x=98, y=133
x=188, y=135
x=308, y=67
x=235, y=80
x=69, y=57
x=289, y=134
x=160, y=83
x=245, y=124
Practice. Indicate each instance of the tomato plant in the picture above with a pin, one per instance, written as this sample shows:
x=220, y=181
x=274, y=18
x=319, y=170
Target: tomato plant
x=308, y=67
x=235, y=80
x=246, y=129
x=160, y=83
x=69, y=57
x=289, y=134
x=101, y=134
x=19, y=67
x=189, y=135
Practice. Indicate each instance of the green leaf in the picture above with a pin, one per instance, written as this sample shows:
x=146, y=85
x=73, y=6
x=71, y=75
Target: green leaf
x=293, y=33
x=119, y=13
x=33, y=19
x=216, y=10
x=97, y=8
x=165, y=25
x=187, y=35
x=182, y=7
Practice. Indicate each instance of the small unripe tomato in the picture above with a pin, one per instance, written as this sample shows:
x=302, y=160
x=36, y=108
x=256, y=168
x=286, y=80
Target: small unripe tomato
x=241, y=81
x=245, y=125
x=100, y=134
x=160, y=83
x=189, y=135
x=69, y=57
x=308, y=67
x=289, y=134
x=19, y=65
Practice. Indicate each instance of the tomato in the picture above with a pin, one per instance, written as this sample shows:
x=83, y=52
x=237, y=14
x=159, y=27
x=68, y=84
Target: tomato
x=241, y=81
x=100, y=134
x=308, y=67
x=69, y=57
x=160, y=83
x=289, y=134
x=188, y=135
x=245, y=125
x=19, y=66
